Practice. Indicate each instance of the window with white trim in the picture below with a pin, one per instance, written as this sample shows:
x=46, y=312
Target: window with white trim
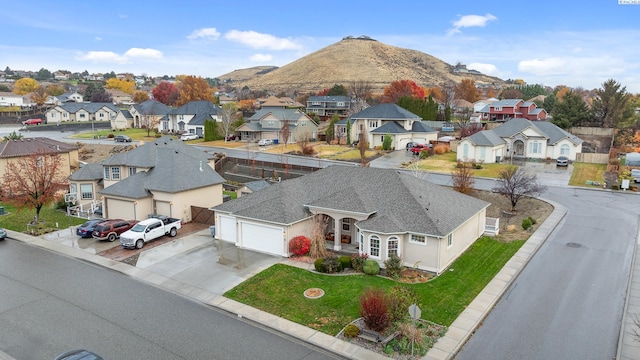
x=564, y=149
x=106, y=173
x=86, y=191
x=535, y=147
x=392, y=247
x=361, y=244
x=115, y=173
x=132, y=170
x=449, y=240
x=418, y=239
x=373, y=124
x=346, y=224
x=374, y=246
x=73, y=188
x=497, y=108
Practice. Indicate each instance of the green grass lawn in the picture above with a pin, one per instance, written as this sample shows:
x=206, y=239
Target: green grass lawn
x=17, y=219
x=135, y=134
x=585, y=171
x=279, y=289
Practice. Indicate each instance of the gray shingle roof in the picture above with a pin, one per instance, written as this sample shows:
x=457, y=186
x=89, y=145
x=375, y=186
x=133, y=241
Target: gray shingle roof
x=390, y=127
x=93, y=171
x=201, y=111
x=552, y=132
x=74, y=107
x=506, y=102
x=257, y=185
x=278, y=113
x=152, y=107
x=146, y=156
x=486, y=138
x=385, y=111
x=399, y=202
x=31, y=145
x=421, y=127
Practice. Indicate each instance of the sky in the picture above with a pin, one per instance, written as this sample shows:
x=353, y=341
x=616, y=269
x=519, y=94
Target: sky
x=580, y=44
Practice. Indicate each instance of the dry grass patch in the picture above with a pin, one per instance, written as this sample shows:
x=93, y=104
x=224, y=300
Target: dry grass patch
x=584, y=171
x=226, y=144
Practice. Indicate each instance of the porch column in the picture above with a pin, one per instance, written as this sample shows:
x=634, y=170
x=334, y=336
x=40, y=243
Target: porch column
x=337, y=234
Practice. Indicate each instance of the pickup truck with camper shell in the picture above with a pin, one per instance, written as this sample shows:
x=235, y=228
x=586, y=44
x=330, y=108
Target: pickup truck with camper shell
x=148, y=230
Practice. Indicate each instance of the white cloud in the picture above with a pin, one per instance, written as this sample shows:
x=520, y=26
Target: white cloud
x=261, y=41
x=204, y=33
x=487, y=69
x=260, y=57
x=143, y=53
x=544, y=67
x=98, y=38
x=103, y=56
x=470, y=21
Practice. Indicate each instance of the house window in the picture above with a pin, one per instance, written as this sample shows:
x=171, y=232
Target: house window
x=346, y=225
x=340, y=104
x=82, y=116
x=360, y=244
x=270, y=123
x=418, y=239
x=564, y=150
x=115, y=173
x=87, y=191
x=132, y=171
x=65, y=115
x=106, y=173
x=497, y=108
x=482, y=152
x=360, y=127
x=465, y=151
x=374, y=246
x=101, y=115
x=373, y=124
x=316, y=103
x=73, y=188
x=392, y=247
x=450, y=240
x=535, y=147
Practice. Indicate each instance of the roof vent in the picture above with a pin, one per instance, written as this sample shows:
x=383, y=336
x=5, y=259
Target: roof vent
x=200, y=165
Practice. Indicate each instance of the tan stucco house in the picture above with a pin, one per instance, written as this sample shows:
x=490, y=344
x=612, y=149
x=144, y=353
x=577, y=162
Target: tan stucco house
x=379, y=212
x=11, y=150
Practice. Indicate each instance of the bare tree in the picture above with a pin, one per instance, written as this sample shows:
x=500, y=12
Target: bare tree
x=285, y=133
x=515, y=183
x=34, y=180
x=318, y=248
x=227, y=117
x=362, y=147
x=360, y=91
x=462, y=177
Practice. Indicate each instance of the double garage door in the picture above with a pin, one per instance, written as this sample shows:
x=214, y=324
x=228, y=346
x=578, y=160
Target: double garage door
x=252, y=236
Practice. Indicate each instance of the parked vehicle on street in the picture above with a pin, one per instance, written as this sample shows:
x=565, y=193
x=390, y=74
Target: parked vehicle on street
x=86, y=230
x=635, y=174
x=3, y=234
x=79, y=354
x=32, y=122
x=148, y=230
x=111, y=229
x=562, y=161
x=122, y=138
x=188, y=136
x=265, y=142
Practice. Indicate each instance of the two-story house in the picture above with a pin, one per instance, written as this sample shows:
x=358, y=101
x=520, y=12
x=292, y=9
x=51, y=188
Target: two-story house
x=81, y=112
x=120, y=97
x=268, y=122
x=190, y=118
x=378, y=121
x=512, y=108
x=164, y=177
x=148, y=113
x=11, y=99
x=326, y=106
x=13, y=150
x=73, y=96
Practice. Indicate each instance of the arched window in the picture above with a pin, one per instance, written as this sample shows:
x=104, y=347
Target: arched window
x=564, y=150
x=374, y=246
x=393, y=244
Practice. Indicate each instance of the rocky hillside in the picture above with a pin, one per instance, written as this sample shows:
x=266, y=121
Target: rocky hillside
x=351, y=60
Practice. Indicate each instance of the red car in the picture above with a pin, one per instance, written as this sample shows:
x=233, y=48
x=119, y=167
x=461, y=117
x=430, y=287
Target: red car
x=111, y=229
x=32, y=122
x=417, y=148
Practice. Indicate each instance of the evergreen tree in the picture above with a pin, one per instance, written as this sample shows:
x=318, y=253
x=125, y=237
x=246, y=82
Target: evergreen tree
x=571, y=111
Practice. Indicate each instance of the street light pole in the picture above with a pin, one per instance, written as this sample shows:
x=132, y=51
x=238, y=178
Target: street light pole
x=92, y=129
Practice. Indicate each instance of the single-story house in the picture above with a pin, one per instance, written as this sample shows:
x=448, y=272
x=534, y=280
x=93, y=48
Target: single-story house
x=519, y=138
x=379, y=212
x=252, y=186
x=81, y=112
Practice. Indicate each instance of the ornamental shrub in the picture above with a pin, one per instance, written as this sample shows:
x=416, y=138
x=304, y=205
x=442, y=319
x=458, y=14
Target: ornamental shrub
x=319, y=265
x=357, y=261
x=424, y=154
x=345, y=261
x=351, y=331
x=331, y=264
x=533, y=221
x=393, y=266
x=400, y=298
x=374, y=309
x=299, y=245
x=371, y=267
x=441, y=149
x=526, y=223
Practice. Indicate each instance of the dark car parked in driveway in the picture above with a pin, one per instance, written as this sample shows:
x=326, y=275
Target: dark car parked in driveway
x=86, y=230
x=562, y=161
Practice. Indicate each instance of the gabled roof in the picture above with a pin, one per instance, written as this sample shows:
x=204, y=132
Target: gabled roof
x=92, y=171
x=201, y=111
x=329, y=98
x=274, y=101
x=32, y=145
x=422, y=127
x=552, y=132
x=397, y=202
x=279, y=113
x=555, y=133
x=146, y=156
x=257, y=185
x=152, y=107
x=126, y=114
x=506, y=103
x=485, y=138
x=385, y=111
x=516, y=126
x=74, y=107
x=390, y=127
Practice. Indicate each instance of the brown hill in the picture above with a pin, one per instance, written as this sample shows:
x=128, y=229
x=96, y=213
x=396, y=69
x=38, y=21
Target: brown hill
x=351, y=60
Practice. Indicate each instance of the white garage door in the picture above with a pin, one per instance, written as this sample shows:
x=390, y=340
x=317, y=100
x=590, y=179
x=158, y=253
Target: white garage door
x=227, y=229
x=163, y=208
x=119, y=209
x=262, y=238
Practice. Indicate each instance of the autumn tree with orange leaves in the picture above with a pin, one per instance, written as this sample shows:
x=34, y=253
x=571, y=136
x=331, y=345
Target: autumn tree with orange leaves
x=401, y=88
x=33, y=181
x=166, y=93
x=467, y=90
x=193, y=88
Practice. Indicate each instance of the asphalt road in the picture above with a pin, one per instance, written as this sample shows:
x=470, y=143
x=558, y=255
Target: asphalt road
x=568, y=302
x=50, y=304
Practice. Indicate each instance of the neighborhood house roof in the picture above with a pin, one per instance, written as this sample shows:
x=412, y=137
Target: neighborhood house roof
x=385, y=111
x=29, y=146
x=152, y=107
x=485, y=138
x=93, y=171
x=74, y=107
x=397, y=202
x=549, y=130
x=201, y=111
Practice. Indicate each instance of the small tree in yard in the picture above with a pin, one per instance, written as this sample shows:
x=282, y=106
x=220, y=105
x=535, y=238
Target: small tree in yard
x=33, y=181
x=318, y=248
x=386, y=142
x=374, y=309
x=362, y=147
x=515, y=183
x=462, y=177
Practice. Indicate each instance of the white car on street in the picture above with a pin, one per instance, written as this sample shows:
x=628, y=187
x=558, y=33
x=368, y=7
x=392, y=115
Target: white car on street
x=188, y=136
x=265, y=142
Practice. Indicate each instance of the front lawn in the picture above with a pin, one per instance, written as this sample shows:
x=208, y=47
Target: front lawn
x=134, y=134
x=446, y=163
x=17, y=219
x=586, y=171
x=279, y=289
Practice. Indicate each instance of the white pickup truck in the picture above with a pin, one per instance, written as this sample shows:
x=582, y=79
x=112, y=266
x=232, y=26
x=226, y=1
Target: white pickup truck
x=148, y=230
